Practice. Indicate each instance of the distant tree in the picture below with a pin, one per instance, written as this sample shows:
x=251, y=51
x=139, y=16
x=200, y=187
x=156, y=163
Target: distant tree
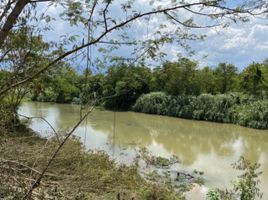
x=226, y=77
x=252, y=80
x=158, y=80
x=207, y=80
x=181, y=77
x=59, y=85
x=124, y=84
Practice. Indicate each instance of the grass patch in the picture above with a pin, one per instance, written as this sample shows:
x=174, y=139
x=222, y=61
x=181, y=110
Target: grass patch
x=74, y=174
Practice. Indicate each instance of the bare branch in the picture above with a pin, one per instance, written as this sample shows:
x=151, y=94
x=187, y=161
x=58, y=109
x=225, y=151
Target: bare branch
x=38, y=180
x=104, y=15
x=92, y=10
x=6, y=9
x=55, y=132
x=116, y=43
x=190, y=25
x=18, y=163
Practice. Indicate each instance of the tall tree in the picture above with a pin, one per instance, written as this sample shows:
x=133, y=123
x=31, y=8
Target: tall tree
x=252, y=80
x=226, y=76
x=182, y=77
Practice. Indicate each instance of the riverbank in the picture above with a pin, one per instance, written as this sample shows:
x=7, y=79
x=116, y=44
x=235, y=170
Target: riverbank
x=233, y=108
x=74, y=174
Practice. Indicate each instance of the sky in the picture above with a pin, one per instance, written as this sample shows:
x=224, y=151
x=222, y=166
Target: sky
x=239, y=44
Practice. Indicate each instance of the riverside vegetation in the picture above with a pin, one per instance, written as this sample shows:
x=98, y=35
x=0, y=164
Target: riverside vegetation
x=230, y=108
x=179, y=89
x=37, y=61
x=81, y=175
x=74, y=174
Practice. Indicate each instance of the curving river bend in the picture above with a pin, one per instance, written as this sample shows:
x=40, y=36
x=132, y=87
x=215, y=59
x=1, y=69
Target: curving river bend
x=205, y=146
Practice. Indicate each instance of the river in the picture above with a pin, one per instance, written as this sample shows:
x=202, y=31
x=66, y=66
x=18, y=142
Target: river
x=205, y=146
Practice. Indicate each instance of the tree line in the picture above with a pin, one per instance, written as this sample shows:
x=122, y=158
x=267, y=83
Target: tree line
x=121, y=84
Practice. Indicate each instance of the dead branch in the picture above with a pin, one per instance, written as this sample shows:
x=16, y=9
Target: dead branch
x=38, y=180
x=42, y=118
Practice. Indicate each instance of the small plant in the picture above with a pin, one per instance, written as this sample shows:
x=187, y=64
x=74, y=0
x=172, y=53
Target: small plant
x=214, y=195
x=247, y=185
x=245, y=188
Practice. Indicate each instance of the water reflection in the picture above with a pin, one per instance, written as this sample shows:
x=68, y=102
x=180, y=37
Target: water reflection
x=206, y=146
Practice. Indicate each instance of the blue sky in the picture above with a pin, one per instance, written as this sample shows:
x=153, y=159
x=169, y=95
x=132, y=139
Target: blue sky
x=239, y=44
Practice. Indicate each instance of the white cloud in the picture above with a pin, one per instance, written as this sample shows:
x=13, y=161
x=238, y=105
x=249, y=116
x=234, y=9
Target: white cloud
x=239, y=44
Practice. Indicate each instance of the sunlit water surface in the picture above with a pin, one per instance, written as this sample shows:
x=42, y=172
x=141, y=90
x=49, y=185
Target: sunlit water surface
x=205, y=146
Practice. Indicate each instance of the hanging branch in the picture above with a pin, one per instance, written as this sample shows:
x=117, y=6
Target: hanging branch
x=190, y=25
x=92, y=10
x=120, y=25
x=53, y=129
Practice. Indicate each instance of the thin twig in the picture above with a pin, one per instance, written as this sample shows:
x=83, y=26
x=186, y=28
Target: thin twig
x=30, y=118
x=38, y=180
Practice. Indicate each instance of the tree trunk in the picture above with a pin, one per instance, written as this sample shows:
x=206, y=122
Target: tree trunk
x=11, y=20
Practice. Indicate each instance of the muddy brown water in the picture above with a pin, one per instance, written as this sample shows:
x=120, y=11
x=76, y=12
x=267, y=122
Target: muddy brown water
x=205, y=146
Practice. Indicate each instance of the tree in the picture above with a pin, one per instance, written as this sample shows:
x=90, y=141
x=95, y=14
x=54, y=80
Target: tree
x=124, y=84
x=226, y=76
x=252, y=79
x=181, y=77
x=207, y=80
x=79, y=13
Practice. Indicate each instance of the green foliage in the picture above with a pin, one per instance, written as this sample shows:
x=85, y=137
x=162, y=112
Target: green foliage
x=121, y=85
x=153, y=103
x=181, y=77
x=59, y=85
x=245, y=188
x=252, y=79
x=253, y=114
x=226, y=76
x=124, y=84
x=247, y=185
x=232, y=108
x=213, y=195
x=213, y=107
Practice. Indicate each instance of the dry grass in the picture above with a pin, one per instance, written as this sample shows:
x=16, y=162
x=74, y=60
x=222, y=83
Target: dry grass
x=74, y=174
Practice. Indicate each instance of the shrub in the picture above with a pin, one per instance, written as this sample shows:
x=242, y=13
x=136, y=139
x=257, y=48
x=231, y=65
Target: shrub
x=254, y=115
x=228, y=108
x=154, y=103
x=213, y=107
x=245, y=188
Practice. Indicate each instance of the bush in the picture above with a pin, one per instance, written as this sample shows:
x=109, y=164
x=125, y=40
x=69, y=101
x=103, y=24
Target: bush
x=232, y=108
x=8, y=117
x=213, y=107
x=254, y=115
x=154, y=103
x=245, y=188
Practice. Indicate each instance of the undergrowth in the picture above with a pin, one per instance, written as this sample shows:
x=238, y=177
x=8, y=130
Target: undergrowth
x=74, y=174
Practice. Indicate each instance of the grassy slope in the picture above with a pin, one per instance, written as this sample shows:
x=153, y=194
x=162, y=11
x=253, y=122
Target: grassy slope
x=74, y=174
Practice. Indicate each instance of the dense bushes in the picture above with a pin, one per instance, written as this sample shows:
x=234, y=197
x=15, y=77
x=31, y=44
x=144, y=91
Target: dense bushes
x=231, y=108
x=254, y=114
x=6, y=116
